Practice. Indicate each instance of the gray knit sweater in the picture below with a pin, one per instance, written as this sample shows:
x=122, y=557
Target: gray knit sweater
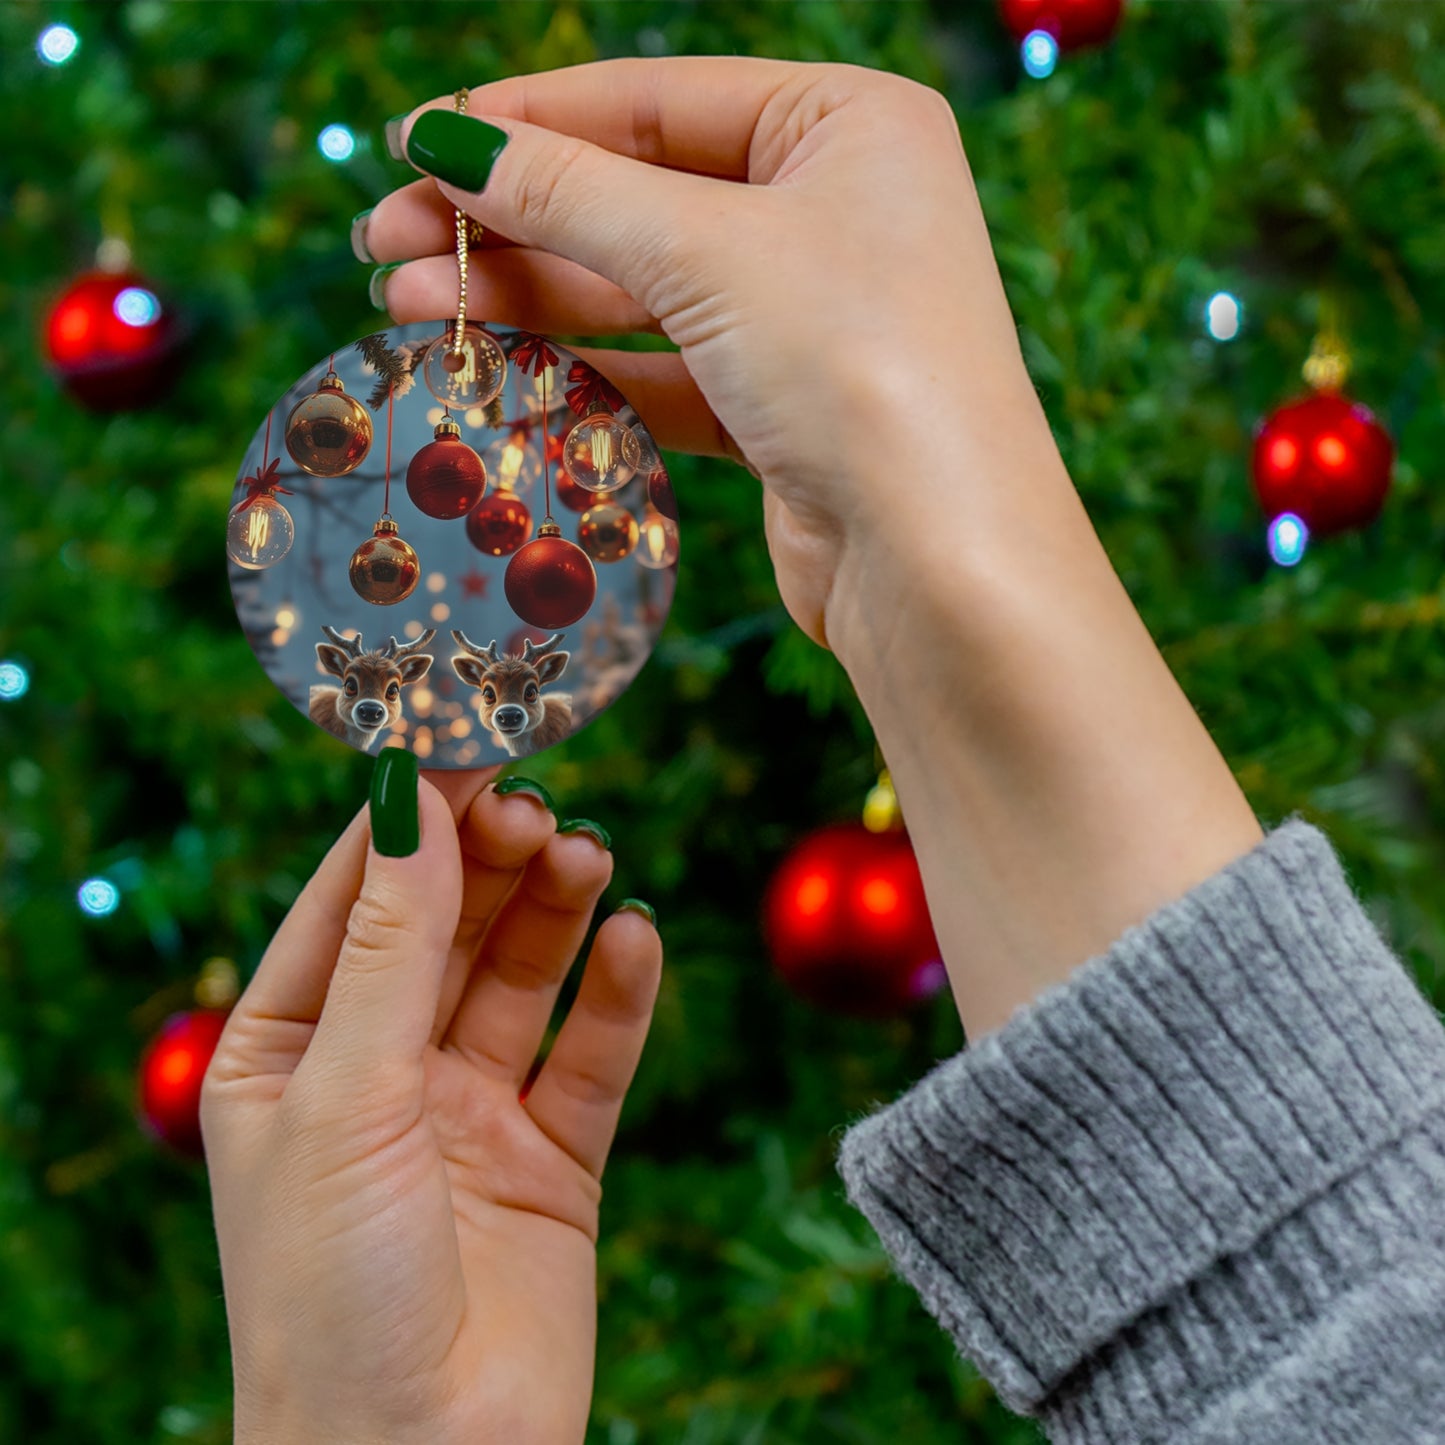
x=1196, y=1192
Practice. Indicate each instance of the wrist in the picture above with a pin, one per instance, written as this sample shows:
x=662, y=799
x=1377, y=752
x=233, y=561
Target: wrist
x=1056, y=782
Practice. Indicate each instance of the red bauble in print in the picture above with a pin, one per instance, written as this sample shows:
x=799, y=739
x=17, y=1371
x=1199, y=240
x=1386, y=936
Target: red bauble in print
x=550, y=582
x=1073, y=23
x=170, y=1075
x=1324, y=458
x=446, y=478
x=847, y=924
x=499, y=524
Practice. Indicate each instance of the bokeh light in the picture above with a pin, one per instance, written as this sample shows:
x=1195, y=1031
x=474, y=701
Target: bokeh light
x=1223, y=316
x=1040, y=53
x=1288, y=537
x=98, y=897
x=57, y=44
x=136, y=306
x=14, y=681
x=336, y=143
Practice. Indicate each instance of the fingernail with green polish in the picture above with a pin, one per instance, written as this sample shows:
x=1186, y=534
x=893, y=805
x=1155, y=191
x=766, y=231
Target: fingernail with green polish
x=636, y=905
x=377, y=287
x=529, y=786
x=395, y=810
x=392, y=131
x=455, y=148
x=358, y=237
x=586, y=825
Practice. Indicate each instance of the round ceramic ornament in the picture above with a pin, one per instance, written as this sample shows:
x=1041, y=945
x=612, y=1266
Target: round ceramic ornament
x=438, y=593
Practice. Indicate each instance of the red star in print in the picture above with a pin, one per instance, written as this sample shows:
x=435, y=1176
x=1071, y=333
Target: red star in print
x=474, y=583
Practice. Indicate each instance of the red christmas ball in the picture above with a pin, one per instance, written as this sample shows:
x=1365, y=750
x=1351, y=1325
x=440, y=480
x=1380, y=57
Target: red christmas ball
x=1324, y=458
x=1073, y=23
x=499, y=524
x=579, y=499
x=171, y=1071
x=661, y=495
x=550, y=582
x=446, y=478
x=112, y=342
x=847, y=924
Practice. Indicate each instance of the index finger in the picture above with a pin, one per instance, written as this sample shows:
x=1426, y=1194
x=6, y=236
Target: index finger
x=698, y=113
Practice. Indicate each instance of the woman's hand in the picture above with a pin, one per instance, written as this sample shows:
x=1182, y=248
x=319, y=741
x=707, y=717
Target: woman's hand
x=810, y=237
x=842, y=324
x=408, y=1247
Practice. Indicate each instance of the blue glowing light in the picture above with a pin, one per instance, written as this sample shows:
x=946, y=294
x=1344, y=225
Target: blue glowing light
x=1223, y=316
x=57, y=44
x=336, y=143
x=98, y=897
x=14, y=681
x=1288, y=537
x=136, y=306
x=1040, y=52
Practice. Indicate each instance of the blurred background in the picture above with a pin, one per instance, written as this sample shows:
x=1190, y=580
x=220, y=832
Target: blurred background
x=1188, y=206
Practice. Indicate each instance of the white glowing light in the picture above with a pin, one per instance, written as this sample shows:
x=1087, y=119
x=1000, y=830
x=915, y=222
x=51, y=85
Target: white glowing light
x=336, y=143
x=98, y=897
x=14, y=681
x=136, y=306
x=1288, y=537
x=1223, y=316
x=1040, y=53
x=57, y=44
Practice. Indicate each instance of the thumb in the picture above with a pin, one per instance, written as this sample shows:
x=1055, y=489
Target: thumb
x=634, y=224
x=382, y=999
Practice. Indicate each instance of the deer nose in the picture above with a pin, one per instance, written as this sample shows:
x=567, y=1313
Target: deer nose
x=509, y=716
x=369, y=713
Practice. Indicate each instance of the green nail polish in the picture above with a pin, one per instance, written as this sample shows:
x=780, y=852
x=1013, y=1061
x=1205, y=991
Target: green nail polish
x=586, y=825
x=530, y=786
x=377, y=287
x=358, y=237
x=395, y=810
x=392, y=132
x=455, y=148
x=636, y=905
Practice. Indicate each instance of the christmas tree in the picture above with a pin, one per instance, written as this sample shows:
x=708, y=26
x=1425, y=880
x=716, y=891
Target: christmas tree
x=1178, y=214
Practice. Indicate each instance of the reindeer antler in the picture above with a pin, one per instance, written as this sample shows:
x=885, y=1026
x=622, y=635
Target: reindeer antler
x=350, y=645
x=529, y=651
x=392, y=650
x=487, y=653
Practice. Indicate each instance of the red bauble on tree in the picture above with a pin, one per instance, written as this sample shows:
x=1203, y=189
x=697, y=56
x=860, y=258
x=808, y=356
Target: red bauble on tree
x=550, y=582
x=499, y=524
x=446, y=478
x=1073, y=23
x=112, y=342
x=1324, y=458
x=171, y=1071
x=847, y=924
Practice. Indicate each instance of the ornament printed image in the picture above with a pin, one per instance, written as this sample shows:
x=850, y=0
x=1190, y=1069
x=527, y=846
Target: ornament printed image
x=406, y=593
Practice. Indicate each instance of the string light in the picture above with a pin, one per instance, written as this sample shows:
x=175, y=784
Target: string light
x=1040, y=54
x=1288, y=537
x=336, y=143
x=1223, y=316
x=98, y=897
x=14, y=681
x=57, y=44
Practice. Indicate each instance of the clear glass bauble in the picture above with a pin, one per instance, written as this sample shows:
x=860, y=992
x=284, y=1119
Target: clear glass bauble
x=601, y=454
x=479, y=376
x=259, y=533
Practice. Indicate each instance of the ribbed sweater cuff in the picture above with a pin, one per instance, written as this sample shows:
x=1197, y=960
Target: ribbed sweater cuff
x=1167, y=1151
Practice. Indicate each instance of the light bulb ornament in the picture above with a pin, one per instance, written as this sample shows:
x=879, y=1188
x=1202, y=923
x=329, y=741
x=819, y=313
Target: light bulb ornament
x=259, y=530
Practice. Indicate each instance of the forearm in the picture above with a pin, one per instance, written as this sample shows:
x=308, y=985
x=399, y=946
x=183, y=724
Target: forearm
x=1056, y=782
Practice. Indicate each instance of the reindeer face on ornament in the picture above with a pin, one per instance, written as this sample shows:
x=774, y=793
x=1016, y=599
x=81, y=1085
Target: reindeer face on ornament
x=369, y=697
x=512, y=703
